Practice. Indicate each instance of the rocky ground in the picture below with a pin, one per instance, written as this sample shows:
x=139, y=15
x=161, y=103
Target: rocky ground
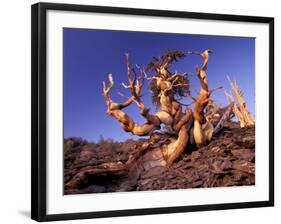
x=228, y=160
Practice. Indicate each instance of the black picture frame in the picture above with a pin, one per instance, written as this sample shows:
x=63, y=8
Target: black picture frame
x=38, y=108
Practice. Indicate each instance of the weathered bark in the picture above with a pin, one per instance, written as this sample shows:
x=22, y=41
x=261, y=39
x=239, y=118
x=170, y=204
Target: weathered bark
x=127, y=123
x=175, y=149
x=82, y=177
x=240, y=108
x=225, y=117
x=235, y=109
x=203, y=129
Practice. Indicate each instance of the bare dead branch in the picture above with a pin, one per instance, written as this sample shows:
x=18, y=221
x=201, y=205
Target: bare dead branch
x=215, y=89
x=240, y=108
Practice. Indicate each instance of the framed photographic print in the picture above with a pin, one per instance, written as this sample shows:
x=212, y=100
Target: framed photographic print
x=139, y=111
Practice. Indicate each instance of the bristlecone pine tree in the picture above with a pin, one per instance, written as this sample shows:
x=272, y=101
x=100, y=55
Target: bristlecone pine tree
x=182, y=125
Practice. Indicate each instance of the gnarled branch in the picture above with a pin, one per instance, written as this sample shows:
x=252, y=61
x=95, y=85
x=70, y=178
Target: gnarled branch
x=203, y=129
x=127, y=123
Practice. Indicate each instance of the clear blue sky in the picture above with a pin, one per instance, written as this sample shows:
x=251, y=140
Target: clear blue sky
x=90, y=55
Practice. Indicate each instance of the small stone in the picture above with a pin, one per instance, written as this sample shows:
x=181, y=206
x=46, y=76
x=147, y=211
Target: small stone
x=195, y=155
x=244, y=166
x=244, y=154
x=215, y=149
x=226, y=165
